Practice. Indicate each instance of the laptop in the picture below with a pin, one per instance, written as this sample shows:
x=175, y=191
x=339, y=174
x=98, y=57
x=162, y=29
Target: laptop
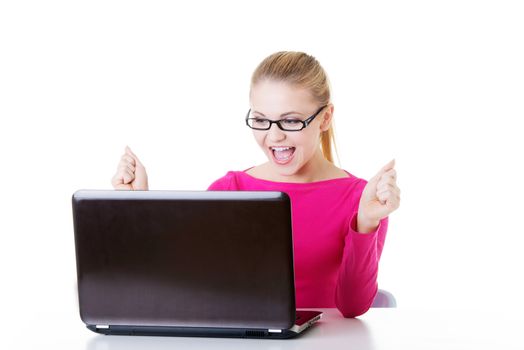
x=187, y=263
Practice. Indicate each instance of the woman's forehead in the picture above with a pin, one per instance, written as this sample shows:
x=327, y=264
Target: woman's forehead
x=279, y=97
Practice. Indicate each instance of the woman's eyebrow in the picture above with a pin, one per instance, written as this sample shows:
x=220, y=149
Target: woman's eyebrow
x=282, y=115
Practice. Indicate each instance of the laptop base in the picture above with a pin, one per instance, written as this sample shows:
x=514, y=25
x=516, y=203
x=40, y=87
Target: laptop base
x=308, y=317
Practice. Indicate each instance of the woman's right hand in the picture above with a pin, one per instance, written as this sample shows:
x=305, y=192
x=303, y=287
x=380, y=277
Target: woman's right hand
x=131, y=173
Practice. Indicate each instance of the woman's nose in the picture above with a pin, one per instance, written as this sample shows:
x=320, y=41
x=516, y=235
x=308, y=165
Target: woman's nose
x=275, y=134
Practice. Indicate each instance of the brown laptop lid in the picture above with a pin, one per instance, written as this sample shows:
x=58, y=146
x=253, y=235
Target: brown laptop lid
x=185, y=258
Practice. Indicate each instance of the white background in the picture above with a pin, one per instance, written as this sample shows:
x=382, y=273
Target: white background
x=437, y=85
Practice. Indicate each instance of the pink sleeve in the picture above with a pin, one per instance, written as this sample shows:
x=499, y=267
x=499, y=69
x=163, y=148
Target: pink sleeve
x=357, y=277
x=222, y=184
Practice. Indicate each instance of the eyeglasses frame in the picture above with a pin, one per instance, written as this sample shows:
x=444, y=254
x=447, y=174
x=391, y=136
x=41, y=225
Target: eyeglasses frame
x=305, y=123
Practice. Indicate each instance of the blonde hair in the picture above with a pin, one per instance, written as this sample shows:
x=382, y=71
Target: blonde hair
x=303, y=70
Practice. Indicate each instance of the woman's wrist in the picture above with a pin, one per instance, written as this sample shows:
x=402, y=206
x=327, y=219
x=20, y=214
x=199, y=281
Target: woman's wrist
x=365, y=225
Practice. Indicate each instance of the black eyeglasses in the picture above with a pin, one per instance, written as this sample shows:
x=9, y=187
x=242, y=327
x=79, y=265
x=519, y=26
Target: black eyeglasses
x=283, y=124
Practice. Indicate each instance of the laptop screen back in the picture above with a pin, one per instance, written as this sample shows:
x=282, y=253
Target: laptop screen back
x=184, y=258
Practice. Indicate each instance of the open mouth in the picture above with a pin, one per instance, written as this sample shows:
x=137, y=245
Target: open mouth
x=283, y=155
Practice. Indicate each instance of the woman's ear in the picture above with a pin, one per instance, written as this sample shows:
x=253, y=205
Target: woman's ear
x=327, y=117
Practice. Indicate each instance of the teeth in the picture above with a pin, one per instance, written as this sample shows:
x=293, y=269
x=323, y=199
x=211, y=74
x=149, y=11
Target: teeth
x=279, y=149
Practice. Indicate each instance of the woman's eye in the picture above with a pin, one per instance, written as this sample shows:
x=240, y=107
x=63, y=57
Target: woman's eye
x=291, y=121
x=258, y=121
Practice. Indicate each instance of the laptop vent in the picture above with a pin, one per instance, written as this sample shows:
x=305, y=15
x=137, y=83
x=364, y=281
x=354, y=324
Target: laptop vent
x=255, y=333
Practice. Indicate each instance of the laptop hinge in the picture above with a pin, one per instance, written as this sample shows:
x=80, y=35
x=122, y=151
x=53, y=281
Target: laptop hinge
x=274, y=330
x=105, y=326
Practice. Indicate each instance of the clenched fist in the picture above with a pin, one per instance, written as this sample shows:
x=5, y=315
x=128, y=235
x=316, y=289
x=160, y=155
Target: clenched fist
x=131, y=173
x=380, y=197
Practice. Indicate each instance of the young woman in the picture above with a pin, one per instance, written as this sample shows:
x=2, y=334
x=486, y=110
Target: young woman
x=339, y=220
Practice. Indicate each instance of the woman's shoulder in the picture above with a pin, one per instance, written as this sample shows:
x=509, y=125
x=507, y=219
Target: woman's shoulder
x=223, y=183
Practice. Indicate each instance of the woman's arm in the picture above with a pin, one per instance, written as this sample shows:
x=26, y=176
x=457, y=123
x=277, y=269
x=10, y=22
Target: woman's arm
x=357, y=277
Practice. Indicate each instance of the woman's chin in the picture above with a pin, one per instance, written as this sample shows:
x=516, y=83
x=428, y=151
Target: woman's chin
x=287, y=169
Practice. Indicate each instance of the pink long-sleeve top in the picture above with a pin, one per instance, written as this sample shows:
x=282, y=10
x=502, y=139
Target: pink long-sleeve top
x=335, y=266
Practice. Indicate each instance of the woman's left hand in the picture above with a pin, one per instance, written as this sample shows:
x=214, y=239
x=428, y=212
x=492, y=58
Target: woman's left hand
x=380, y=197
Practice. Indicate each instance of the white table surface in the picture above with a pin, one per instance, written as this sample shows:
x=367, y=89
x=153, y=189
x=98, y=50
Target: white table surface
x=395, y=328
